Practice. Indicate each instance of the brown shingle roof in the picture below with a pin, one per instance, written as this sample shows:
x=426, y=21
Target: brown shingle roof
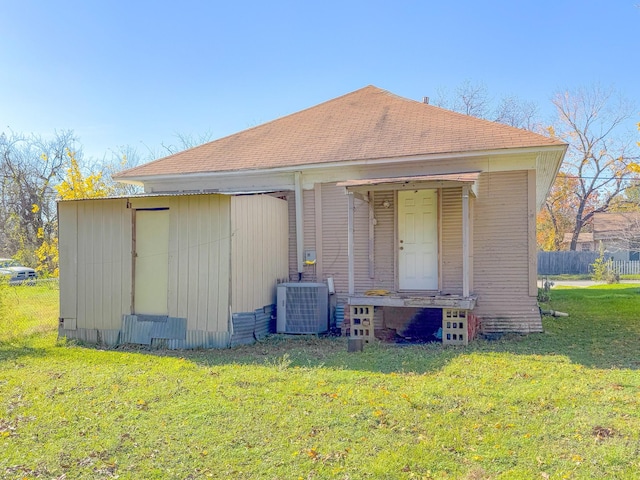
x=365, y=124
x=615, y=224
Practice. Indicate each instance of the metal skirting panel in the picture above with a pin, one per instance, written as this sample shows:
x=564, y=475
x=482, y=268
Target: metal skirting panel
x=244, y=324
x=265, y=321
x=251, y=326
x=143, y=329
x=110, y=338
x=89, y=335
x=200, y=339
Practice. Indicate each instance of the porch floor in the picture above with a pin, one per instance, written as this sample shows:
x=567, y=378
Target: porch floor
x=414, y=299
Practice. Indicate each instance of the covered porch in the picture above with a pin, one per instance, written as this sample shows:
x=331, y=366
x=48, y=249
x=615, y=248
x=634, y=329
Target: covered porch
x=431, y=269
x=432, y=259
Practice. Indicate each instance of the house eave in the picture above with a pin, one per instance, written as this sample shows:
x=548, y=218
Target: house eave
x=290, y=169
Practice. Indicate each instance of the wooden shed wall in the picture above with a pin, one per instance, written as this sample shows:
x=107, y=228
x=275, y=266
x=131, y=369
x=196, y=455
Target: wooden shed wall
x=502, y=232
x=95, y=263
x=199, y=258
x=259, y=250
x=96, y=280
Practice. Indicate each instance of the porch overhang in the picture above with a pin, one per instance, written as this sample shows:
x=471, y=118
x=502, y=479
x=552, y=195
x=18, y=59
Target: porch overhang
x=417, y=301
x=447, y=180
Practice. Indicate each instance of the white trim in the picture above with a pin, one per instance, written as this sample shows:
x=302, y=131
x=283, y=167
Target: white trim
x=345, y=163
x=465, y=241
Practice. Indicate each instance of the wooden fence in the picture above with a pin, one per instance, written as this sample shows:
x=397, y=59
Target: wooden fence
x=579, y=263
x=572, y=263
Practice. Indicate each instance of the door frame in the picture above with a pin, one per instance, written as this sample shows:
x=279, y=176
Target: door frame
x=396, y=249
x=134, y=253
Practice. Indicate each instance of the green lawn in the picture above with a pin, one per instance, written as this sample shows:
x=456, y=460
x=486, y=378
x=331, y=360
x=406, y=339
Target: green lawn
x=562, y=404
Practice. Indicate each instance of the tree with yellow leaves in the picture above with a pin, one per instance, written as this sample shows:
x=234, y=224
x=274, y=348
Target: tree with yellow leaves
x=75, y=186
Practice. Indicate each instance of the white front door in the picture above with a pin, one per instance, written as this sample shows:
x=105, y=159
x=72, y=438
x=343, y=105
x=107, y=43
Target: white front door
x=151, y=279
x=418, y=240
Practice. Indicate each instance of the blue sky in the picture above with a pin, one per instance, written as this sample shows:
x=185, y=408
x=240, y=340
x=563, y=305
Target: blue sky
x=139, y=72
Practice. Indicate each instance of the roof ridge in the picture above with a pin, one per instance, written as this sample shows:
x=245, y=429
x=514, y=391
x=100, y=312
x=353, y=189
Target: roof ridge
x=363, y=124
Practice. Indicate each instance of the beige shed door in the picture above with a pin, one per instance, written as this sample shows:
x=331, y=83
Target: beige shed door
x=417, y=240
x=151, y=262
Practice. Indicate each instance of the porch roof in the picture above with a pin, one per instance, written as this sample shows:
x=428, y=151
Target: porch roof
x=396, y=183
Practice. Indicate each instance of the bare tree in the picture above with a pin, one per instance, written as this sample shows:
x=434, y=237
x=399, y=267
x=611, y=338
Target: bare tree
x=186, y=141
x=601, y=156
x=30, y=166
x=474, y=99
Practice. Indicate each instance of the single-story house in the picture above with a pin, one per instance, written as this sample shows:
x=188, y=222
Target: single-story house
x=585, y=242
x=408, y=211
x=619, y=234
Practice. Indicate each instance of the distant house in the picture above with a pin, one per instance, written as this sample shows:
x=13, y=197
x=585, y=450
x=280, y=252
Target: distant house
x=619, y=234
x=585, y=243
x=432, y=210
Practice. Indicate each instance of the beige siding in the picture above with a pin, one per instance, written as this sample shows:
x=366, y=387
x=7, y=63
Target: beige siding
x=68, y=259
x=384, y=241
x=259, y=250
x=293, y=259
x=451, y=240
x=334, y=236
x=363, y=281
x=501, y=254
x=100, y=232
x=199, y=258
x=95, y=262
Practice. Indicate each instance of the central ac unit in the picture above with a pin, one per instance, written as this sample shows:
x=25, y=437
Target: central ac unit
x=302, y=308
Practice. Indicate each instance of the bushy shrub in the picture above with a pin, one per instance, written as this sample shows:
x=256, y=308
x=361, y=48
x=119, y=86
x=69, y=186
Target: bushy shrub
x=602, y=271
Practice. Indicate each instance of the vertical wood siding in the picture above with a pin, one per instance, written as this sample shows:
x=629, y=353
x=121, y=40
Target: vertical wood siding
x=68, y=259
x=199, y=259
x=259, y=250
x=501, y=257
x=451, y=240
x=100, y=231
x=293, y=247
x=95, y=262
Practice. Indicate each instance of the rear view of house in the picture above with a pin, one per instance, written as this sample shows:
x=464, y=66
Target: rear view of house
x=412, y=213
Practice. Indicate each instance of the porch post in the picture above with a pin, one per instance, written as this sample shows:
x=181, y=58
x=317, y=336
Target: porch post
x=352, y=286
x=299, y=224
x=465, y=241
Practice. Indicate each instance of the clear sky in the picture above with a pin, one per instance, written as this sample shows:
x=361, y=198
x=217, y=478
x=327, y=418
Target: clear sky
x=139, y=72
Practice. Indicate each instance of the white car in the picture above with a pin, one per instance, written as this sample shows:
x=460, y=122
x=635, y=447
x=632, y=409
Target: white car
x=16, y=273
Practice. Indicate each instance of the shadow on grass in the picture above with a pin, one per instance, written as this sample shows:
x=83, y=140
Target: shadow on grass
x=602, y=331
x=10, y=352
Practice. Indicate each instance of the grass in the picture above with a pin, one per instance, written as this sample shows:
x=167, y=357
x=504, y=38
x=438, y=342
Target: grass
x=28, y=310
x=562, y=404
